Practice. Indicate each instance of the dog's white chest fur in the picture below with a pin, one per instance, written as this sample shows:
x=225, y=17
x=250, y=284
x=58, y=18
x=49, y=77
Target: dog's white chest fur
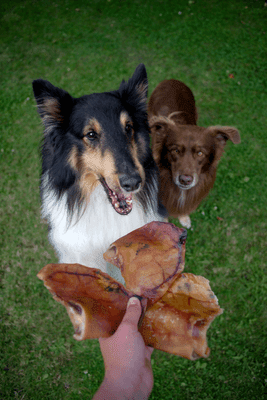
x=84, y=240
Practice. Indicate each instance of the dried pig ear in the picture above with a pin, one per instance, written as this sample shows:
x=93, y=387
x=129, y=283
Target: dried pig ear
x=149, y=257
x=179, y=306
x=179, y=321
x=94, y=301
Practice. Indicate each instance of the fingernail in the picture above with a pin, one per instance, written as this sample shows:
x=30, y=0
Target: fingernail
x=132, y=301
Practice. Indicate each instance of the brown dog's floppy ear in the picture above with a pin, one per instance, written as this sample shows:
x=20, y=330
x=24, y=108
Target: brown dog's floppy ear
x=158, y=124
x=224, y=133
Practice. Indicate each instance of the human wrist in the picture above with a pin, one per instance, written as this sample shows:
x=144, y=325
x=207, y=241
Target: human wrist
x=120, y=384
x=112, y=390
x=119, y=389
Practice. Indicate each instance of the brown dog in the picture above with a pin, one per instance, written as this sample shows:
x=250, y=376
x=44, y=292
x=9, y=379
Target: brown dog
x=187, y=155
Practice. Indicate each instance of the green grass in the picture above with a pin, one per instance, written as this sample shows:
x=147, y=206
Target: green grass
x=87, y=46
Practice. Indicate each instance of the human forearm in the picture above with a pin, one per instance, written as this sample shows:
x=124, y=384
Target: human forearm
x=128, y=372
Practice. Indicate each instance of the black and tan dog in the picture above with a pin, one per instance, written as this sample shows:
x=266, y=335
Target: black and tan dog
x=99, y=180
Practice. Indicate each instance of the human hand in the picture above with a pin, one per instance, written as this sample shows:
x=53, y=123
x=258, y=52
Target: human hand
x=128, y=371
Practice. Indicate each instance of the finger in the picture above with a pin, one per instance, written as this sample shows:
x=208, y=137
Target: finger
x=131, y=318
x=149, y=351
x=133, y=312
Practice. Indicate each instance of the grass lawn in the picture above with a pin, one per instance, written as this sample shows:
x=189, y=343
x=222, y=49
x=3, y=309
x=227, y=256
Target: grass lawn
x=219, y=49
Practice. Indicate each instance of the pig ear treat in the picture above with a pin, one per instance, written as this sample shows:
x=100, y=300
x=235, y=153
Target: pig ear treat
x=149, y=258
x=95, y=302
x=179, y=321
x=178, y=308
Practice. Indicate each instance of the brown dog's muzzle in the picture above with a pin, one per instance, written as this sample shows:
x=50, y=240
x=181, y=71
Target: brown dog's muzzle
x=186, y=180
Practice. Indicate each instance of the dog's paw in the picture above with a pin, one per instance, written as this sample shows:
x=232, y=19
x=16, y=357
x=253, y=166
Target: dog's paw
x=185, y=221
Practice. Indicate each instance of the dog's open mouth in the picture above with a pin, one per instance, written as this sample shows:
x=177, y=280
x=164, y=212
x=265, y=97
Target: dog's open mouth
x=122, y=204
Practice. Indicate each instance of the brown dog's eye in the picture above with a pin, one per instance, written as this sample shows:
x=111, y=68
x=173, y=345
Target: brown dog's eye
x=200, y=153
x=175, y=151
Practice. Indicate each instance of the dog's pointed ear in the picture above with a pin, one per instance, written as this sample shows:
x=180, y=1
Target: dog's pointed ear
x=54, y=104
x=136, y=88
x=224, y=133
x=140, y=76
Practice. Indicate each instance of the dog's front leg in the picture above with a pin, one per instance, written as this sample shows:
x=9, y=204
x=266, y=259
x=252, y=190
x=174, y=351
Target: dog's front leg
x=185, y=221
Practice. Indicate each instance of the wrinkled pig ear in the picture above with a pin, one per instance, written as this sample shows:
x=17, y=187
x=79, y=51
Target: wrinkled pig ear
x=177, y=308
x=224, y=133
x=54, y=104
x=161, y=246
x=95, y=302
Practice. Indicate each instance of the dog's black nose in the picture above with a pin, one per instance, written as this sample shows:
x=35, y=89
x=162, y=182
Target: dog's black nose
x=130, y=183
x=185, y=179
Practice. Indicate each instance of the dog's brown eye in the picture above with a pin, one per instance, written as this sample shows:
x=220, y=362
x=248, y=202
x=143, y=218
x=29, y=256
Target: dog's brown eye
x=128, y=129
x=91, y=135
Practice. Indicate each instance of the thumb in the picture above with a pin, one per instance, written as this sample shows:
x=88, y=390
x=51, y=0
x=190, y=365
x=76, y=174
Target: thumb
x=133, y=312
